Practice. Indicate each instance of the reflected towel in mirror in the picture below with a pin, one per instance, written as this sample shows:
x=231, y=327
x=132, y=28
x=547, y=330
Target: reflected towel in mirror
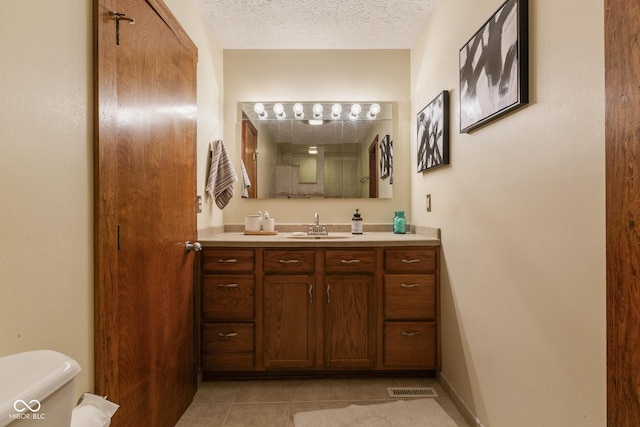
x=246, y=182
x=221, y=175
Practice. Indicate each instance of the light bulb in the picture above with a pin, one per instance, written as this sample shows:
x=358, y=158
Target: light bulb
x=317, y=111
x=279, y=110
x=336, y=110
x=374, y=110
x=355, y=111
x=298, y=110
x=260, y=111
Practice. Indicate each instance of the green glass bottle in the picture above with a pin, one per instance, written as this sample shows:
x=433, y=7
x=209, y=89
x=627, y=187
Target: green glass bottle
x=399, y=223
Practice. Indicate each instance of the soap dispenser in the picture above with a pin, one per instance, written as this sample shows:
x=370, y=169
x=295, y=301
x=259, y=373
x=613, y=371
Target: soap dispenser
x=356, y=223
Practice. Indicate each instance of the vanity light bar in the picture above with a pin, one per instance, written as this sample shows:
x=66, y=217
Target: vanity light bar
x=355, y=111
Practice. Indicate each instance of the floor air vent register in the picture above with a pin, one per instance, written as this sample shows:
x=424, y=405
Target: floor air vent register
x=412, y=392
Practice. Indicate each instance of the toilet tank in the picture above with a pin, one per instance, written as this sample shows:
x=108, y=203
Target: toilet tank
x=37, y=389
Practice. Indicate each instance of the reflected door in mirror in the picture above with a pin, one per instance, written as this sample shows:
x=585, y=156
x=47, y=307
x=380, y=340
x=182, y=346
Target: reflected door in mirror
x=250, y=154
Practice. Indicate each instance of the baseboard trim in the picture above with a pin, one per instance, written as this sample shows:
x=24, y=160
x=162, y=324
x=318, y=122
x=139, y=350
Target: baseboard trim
x=464, y=409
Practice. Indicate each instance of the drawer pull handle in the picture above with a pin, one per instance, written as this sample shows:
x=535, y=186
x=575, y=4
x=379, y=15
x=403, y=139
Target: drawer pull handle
x=349, y=261
x=412, y=285
x=410, y=334
x=410, y=261
x=310, y=293
x=229, y=285
x=228, y=261
x=289, y=261
x=229, y=335
x=328, y=293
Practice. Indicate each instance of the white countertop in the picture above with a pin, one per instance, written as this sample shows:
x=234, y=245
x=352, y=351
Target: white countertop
x=337, y=239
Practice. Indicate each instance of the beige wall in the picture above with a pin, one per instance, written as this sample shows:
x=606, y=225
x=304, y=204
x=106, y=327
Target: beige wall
x=46, y=245
x=521, y=208
x=319, y=75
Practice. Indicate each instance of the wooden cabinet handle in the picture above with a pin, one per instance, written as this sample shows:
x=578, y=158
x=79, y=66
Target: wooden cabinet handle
x=412, y=285
x=328, y=293
x=229, y=261
x=229, y=335
x=310, y=293
x=410, y=261
x=289, y=261
x=229, y=285
x=410, y=333
x=349, y=261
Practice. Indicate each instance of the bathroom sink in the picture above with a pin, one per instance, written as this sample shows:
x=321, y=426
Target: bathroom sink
x=304, y=236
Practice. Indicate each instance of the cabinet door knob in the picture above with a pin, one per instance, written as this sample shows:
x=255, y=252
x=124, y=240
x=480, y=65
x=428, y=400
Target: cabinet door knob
x=328, y=293
x=229, y=261
x=349, y=261
x=410, y=261
x=410, y=333
x=310, y=293
x=289, y=261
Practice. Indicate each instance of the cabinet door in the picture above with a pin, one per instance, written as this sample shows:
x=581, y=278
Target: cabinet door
x=288, y=325
x=350, y=330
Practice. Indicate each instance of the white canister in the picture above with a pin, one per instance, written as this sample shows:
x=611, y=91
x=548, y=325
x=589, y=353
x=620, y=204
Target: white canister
x=269, y=224
x=252, y=222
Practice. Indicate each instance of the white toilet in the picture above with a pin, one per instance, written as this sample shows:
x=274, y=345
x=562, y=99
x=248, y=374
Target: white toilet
x=37, y=389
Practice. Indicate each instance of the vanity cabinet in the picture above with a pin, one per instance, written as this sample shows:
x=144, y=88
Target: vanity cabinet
x=410, y=308
x=298, y=310
x=289, y=305
x=349, y=308
x=228, y=309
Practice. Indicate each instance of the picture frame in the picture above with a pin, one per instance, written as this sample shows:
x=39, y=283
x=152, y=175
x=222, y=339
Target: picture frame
x=386, y=156
x=433, y=133
x=494, y=67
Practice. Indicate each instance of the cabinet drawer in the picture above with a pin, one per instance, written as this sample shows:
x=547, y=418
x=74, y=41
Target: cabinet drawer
x=227, y=260
x=410, y=260
x=289, y=261
x=228, y=297
x=228, y=361
x=228, y=346
x=410, y=345
x=350, y=260
x=410, y=296
x=228, y=337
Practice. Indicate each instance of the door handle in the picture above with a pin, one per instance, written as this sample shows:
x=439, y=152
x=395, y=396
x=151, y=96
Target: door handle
x=195, y=247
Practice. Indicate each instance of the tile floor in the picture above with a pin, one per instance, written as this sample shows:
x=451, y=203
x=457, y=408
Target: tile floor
x=272, y=402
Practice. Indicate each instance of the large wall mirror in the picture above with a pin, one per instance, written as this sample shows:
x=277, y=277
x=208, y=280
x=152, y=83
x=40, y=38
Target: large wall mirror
x=318, y=149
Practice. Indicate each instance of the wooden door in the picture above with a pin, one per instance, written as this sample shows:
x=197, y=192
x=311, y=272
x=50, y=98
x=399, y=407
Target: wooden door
x=145, y=205
x=250, y=154
x=289, y=313
x=350, y=329
x=622, y=158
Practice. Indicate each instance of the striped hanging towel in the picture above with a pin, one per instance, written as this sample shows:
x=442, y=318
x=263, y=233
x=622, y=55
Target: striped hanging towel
x=221, y=175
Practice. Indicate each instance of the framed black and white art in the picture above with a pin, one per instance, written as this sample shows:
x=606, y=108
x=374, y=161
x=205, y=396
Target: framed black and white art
x=433, y=133
x=494, y=67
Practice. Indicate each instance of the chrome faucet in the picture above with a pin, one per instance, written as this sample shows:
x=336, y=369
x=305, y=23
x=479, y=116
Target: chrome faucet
x=317, y=229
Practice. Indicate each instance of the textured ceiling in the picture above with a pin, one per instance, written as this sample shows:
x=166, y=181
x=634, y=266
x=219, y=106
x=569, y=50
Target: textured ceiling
x=316, y=24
